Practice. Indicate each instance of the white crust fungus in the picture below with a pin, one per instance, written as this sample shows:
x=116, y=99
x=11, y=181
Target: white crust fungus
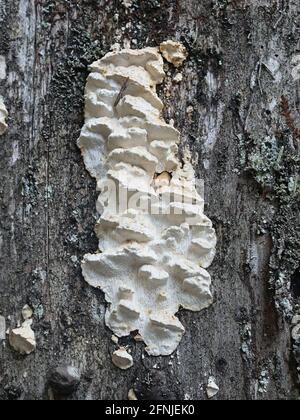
x=3, y=116
x=27, y=312
x=151, y=263
x=212, y=388
x=122, y=359
x=114, y=339
x=127, y=3
x=178, y=78
x=174, y=52
x=23, y=339
x=132, y=395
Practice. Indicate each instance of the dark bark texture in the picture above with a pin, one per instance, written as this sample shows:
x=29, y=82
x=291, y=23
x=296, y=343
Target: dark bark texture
x=238, y=110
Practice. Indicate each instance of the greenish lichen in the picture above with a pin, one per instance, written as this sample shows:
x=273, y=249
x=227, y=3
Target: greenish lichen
x=285, y=258
x=68, y=82
x=263, y=381
x=274, y=163
x=246, y=337
x=29, y=191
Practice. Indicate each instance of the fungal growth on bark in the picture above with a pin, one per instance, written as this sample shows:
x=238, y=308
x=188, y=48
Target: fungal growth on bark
x=174, y=52
x=155, y=242
x=3, y=116
x=122, y=359
x=22, y=339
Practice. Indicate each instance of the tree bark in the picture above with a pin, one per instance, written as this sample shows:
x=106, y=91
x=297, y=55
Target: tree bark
x=237, y=108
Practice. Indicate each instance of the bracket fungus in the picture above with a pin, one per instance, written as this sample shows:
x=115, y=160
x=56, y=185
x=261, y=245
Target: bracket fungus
x=212, y=388
x=174, y=52
x=23, y=339
x=127, y=3
x=132, y=395
x=122, y=359
x=155, y=242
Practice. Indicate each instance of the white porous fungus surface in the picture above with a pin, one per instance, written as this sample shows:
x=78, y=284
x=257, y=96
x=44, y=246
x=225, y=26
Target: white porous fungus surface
x=212, y=388
x=122, y=359
x=174, y=52
x=149, y=264
x=23, y=339
x=127, y=3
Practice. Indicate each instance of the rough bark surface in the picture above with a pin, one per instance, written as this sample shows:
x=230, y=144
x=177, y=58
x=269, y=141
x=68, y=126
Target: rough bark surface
x=238, y=110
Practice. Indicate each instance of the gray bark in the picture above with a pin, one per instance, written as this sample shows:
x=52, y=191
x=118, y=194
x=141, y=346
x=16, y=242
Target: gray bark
x=244, y=137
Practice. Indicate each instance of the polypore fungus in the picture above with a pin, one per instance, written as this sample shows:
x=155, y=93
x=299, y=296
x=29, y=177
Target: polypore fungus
x=127, y=3
x=122, y=359
x=3, y=116
x=174, y=52
x=23, y=339
x=154, y=240
x=212, y=388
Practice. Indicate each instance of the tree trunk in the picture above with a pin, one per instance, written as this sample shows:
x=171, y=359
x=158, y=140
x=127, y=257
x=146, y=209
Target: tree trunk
x=237, y=109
